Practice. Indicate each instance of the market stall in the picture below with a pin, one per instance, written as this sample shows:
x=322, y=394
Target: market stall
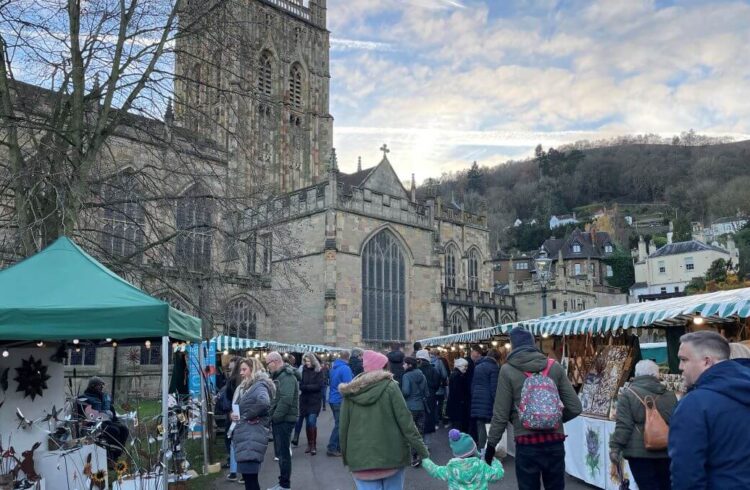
x=599, y=348
x=58, y=299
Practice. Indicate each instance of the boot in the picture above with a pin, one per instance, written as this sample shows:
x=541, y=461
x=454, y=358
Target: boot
x=314, y=449
x=308, y=431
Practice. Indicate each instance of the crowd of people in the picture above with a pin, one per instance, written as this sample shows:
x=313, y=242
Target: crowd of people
x=386, y=406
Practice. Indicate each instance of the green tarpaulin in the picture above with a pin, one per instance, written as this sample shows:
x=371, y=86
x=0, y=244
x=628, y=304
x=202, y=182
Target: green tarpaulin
x=62, y=293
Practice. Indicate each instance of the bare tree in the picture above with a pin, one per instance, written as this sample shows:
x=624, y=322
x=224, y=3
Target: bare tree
x=92, y=148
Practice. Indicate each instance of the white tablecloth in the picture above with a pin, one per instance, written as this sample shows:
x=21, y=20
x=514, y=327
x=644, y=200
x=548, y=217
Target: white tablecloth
x=587, y=452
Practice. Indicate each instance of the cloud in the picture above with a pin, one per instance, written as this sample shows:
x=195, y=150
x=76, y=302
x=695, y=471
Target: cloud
x=338, y=44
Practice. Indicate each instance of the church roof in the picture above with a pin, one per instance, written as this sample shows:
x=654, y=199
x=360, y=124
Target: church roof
x=380, y=178
x=356, y=179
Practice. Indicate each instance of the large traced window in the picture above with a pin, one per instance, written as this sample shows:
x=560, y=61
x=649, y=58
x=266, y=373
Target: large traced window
x=458, y=323
x=124, y=218
x=295, y=86
x=450, y=268
x=473, y=271
x=383, y=289
x=265, y=75
x=484, y=321
x=240, y=320
x=194, y=230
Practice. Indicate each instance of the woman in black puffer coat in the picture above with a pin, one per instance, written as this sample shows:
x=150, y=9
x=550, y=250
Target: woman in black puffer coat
x=310, y=402
x=252, y=426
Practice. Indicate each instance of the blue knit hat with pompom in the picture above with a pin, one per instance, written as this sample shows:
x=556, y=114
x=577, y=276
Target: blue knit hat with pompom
x=461, y=444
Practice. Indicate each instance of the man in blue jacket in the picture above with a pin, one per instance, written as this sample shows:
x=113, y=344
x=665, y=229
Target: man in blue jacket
x=709, y=433
x=483, y=387
x=340, y=373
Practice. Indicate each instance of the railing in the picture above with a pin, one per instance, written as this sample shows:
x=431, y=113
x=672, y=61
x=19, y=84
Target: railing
x=291, y=7
x=478, y=298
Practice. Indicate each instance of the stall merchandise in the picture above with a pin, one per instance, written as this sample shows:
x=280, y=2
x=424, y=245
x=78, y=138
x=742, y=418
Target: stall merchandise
x=64, y=295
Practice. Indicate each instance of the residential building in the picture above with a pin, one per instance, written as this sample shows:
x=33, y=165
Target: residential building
x=562, y=220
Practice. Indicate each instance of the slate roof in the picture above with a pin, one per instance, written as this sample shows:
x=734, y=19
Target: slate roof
x=591, y=246
x=686, y=247
x=356, y=179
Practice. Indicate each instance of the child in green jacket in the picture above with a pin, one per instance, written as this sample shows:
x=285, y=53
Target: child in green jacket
x=466, y=471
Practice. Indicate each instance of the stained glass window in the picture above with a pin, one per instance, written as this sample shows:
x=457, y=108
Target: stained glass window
x=194, y=231
x=473, y=271
x=124, y=218
x=450, y=268
x=383, y=289
x=457, y=323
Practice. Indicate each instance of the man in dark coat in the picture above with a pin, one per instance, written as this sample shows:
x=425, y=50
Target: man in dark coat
x=433, y=384
x=709, y=437
x=396, y=362
x=355, y=361
x=284, y=411
x=475, y=353
x=483, y=393
x=459, y=396
x=114, y=431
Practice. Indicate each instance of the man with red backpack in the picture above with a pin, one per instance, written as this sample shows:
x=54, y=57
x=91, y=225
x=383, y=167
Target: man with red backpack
x=535, y=395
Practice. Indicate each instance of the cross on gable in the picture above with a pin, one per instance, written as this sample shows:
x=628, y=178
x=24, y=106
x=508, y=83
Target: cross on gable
x=385, y=150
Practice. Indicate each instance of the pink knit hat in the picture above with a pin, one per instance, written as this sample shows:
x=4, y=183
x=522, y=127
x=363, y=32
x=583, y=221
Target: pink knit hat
x=372, y=361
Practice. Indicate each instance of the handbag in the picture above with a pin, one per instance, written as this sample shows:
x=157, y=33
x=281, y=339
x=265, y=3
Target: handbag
x=655, y=430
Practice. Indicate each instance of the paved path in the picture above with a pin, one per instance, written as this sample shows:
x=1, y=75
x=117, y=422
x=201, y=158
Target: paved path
x=321, y=472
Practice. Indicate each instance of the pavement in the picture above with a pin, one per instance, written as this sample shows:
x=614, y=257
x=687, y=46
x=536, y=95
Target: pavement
x=321, y=472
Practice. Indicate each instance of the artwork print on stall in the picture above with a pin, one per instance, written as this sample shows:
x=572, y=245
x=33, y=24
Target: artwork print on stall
x=32, y=377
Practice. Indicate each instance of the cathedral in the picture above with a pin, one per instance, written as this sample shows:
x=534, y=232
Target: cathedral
x=372, y=263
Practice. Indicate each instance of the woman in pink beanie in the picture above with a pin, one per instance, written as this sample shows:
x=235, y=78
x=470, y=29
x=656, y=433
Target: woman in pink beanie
x=376, y=428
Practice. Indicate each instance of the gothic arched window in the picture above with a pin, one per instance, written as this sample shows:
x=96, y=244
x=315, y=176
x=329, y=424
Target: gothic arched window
x=295, y=86
x=473, y=271
x=484, y=321
x=383, y=289
x=265, y=75
x=124, y=217
x=457, y=323
x=194, y=234
x=450, y=268
x=240, y=320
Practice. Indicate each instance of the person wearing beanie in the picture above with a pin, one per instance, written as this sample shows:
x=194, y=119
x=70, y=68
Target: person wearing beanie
x=355, y=361
x=377, y=430
x=465, y=471
x=537, y=452
x=97, y=402
x=396, y=362
x=459, y=396
x=434, y=383
x=483, y=389
x=416, y=394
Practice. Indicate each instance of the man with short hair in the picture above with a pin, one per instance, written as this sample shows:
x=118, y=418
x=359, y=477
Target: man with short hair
x=340, y=373
x=284, y=410
x=540, y=454
x=709, y=437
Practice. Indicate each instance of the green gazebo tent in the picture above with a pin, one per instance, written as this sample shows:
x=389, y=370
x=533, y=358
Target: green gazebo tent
x=63, y=293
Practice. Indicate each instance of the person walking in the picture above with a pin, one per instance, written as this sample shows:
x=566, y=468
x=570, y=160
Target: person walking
x=377, y=428
x=396, y=362
x=340, y=373
x=250, y=428
x=459, y=396
x=540, y=452
x=433, y=384
x=310, y=401
x=483, y=387
x=466, y=471
x=650, y=467
x=708, y=432
x=284, y=410
x=475, y=354
x=224, y=398
x=324, y=368
x=440, y=394
x=355, y=361
x=416, y=393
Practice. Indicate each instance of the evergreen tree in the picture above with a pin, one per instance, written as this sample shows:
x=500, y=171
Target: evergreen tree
x=475, y=179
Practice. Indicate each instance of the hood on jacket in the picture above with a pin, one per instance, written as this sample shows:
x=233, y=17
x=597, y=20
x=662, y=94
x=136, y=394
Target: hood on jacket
x=527, y=359
x=338, y=363
x=367, y=388
x=396, y=357
x=729, y=378
x=485, y=360
x=650, y=384
x=468, y=472
x=288, y=370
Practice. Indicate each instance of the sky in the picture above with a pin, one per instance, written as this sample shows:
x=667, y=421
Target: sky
x=446, y=82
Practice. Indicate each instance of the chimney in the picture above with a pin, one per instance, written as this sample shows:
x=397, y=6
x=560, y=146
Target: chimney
x=413, y=189
x=359, y=164
x=669, y=236
x=642, y=252
x=651, y=247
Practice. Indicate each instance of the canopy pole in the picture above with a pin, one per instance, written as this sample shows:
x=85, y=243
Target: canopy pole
x=165, y=410
x=204, y=404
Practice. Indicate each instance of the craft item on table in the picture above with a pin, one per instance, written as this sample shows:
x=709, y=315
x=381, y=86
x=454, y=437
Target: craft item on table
x=603, y=379
x=593, y=449
x=32, y=377
x=8, y=464
x=26, y=465
x=23, y=422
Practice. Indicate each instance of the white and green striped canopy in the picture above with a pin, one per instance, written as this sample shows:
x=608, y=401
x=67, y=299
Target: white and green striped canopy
x=714, y=307
x=225, y=342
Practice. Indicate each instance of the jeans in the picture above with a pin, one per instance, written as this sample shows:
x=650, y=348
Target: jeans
x=232, y=460
x=395, y=482
x=251, y=481
x=334, y=445
x=311, y=419
x=282, y=439
x=540, y=461
x=651, y=473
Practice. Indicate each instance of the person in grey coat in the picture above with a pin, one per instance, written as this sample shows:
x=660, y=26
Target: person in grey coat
x=416, y=393
x=251, y=428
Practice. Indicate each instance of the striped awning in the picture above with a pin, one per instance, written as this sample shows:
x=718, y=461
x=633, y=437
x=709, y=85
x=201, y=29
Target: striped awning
x=225, y=342
x=715, y=307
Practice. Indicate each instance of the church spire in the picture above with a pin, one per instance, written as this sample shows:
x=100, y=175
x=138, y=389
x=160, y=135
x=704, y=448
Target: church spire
x=333, y=165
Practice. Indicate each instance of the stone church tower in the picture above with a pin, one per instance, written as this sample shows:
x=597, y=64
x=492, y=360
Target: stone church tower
x=254, y=75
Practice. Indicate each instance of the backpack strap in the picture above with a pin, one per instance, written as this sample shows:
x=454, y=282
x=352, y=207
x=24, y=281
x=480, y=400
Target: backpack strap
x=545, y=372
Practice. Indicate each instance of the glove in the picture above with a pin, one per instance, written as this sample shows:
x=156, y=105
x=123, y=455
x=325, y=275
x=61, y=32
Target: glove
x=614, y=456
x=489, y=454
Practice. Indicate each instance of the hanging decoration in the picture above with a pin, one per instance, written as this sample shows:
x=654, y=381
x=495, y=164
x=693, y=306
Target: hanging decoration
x=32, y=377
